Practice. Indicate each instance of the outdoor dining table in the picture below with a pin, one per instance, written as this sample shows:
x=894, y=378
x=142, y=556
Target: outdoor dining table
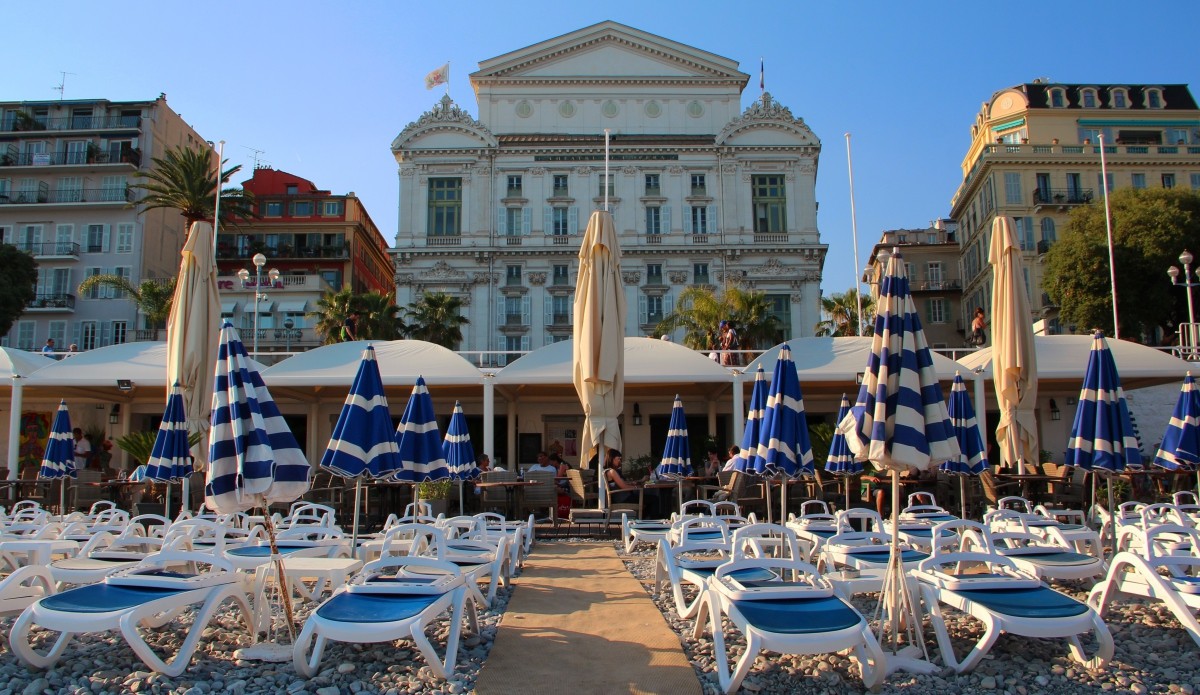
x=1029, y=490
x=120, y=489
x=39, y=551
x=514, y=490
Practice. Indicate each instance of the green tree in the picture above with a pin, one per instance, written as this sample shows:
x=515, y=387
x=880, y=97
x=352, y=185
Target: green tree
x=841, y=314
x=378, y=315
x=185, y=179
x=700, y=311
x=437, y=318
x=19, y=286
x=1150, y=228
x=150, y=297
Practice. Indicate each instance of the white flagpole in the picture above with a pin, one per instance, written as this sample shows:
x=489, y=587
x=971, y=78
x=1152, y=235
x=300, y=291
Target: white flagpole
x=217, y=201
x=606, y=179
x=1112, y=263
x=447, y=78
x=854, y=235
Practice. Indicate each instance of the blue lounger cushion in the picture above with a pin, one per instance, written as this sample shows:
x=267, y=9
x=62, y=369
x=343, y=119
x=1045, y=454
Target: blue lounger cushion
x=1186, y=583
x=704, y=535
x=798, y=616
x=105, y=598
x=746, y=577
x=1037, y=602
x=823, y=533
x=263, y=550
x=1057, y=559
x=881, y=556
x=355, y=607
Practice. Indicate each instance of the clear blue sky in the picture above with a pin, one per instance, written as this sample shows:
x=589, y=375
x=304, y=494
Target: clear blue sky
x=323, y=88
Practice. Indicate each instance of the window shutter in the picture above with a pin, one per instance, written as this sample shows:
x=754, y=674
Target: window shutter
x=571, y=309
x=548, y=220
x=526, y=221
x=573, y=220
x=548, y=312
x=107, y=238
x=687, y=219
x=642, y=310
x=501, y=358
x=928, y=311
x=666, y=219
x=77, y=332
x=43, y=281
x=712, y=220
x=525, y=343
x=502, y=221
x=527, y=310
x=500, y=312
x=105, y=333
x=668, y=304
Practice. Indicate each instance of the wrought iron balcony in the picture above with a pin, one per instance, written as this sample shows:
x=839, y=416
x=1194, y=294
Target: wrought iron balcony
x=53, y=300
x=13, y=124
x=937, y=286
x=24, y=159
x=1062, y=196
x=224, y=252
x=50, y=248
x=75, y=195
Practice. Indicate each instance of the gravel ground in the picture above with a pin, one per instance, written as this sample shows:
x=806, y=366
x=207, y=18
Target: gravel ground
x=1149, y=647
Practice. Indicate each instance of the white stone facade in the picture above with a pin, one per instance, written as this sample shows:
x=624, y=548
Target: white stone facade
x=702, y=191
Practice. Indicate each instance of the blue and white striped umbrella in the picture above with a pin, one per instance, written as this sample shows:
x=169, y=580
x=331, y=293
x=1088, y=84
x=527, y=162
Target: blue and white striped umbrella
x=972, y=456
x=457, y=448
x=420, y=442
x=1102, y=438
x=744, y=461
x=677, y=458
x=254, y=458
x=171, y=457
x=841, y=461
x=1180, y=448
x=59, y=460
x=363, y=443
x=783, y=443
x=899, y=422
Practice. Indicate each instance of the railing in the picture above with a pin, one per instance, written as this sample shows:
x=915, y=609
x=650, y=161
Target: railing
x=653, y=239
x=50, y=248
x=514, y=320
x=1089, y=148
x=143, y=335
x=54, y=300
x=76, y=195
x=560, y=281
x=285, y=252
x=654, y=279
x=23, y=159
x=699, y=190
x=1062, y=196
x=512, y=240
x=938, y=286
x=763, y=238
x=443, y=240
x=513, y=192
x=698, y=238
x=653, y=191
x=560, y=319
x=701, y=280
x=559, y=193
x=560, y=239
x=9, y=125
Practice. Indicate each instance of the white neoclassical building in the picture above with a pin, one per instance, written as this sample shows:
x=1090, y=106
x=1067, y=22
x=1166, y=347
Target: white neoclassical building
x=703, y=192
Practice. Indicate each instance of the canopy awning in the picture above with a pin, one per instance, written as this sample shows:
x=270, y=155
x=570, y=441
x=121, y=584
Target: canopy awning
x=294, y=307
x=229, y=307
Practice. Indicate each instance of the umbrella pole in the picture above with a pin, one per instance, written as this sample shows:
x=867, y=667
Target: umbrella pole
x=357, y=498
x=766, y=483
x=62, y=498
x=167, y=502
x=1112, y=515
x=460, y=497
x=847, y=494
x=285, y=592
x=783, y=483
x=962, y=494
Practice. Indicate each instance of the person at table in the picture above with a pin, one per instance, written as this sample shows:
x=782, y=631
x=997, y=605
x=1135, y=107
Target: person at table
x=83, y=449
x=734, y=452
x=622, y=491
x=560, y=469
x=713, y=465
x=542, y=465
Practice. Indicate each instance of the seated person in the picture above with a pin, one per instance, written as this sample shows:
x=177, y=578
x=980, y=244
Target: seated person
x=621, y=491
x=713, y=465
x=542, y=465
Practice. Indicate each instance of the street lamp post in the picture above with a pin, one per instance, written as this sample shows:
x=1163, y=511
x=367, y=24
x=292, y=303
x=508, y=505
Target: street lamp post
x=244, y=275
x=288, y=325
x=1186, y=259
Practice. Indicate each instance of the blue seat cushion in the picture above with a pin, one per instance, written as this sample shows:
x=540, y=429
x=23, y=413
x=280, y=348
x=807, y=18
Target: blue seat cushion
x=881, y=556
x=703, y=535
x=799, y=616
x=105, y=598
x=821, y=532
x=1057, y=558
x=263, y=550
x=349, y=607
x=1038, y=602
x=917, y=532
x=747, y=577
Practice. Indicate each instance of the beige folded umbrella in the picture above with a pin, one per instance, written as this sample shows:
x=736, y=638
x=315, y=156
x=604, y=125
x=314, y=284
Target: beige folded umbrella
x=1014, y=360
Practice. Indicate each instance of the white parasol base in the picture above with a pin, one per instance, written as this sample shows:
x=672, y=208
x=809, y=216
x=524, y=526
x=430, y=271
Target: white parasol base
x=908, y=659
x=898, y=614
x=265, y=651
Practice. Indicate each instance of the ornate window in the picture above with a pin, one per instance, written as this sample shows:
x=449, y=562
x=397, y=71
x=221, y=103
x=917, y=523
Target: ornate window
x=445, y=206
x=770, y=201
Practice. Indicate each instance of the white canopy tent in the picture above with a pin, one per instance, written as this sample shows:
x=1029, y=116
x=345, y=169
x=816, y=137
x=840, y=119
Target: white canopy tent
x=15, y=366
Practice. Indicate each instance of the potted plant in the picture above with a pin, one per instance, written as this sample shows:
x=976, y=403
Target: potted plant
x=637, y=467
x=139, y=446
x=436, y=493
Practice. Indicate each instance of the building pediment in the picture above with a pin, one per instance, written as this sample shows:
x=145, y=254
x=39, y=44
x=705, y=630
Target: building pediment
x=607, y=52
x=445, y=126
x=767, y=123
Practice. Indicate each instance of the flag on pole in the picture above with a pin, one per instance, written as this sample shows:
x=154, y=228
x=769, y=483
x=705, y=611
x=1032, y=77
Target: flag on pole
x=762, y=75
x=438, y=77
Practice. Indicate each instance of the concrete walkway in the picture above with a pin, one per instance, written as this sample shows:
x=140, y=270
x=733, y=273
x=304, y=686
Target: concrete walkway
x=579, y=623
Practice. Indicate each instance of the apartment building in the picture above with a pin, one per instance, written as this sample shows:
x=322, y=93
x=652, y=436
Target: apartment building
x=1035, y=156
x=931, y=264
x=314, y=241
x=702, y=191
x=65, y=170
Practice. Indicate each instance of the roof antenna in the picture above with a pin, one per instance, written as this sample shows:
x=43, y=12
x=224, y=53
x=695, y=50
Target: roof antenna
x=62, y=84
x=257, y=157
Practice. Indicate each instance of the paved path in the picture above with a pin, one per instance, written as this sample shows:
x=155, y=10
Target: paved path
x=579, y=623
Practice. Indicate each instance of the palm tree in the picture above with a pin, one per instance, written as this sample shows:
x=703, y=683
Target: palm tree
x=185, y=180
x=150, y=297
x=437, y=318
x=378, y=315
x=841, y=312
x=701, y=310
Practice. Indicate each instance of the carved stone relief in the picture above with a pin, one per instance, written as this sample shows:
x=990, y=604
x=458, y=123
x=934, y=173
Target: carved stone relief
x=631, y=277
x=537, y=279
x=677, y=277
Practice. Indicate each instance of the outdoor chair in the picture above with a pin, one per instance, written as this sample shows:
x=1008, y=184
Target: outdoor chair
x=782, y=605
x=583, y=497
x=634, y=531
x=710, y=492
x=1004, y=599
x=1048, y=556
x=1070, y=490
x=22, y=587
x=537, y=497
x=392, y=598
x=496, y=498
x=146, y=596
x=687, y=557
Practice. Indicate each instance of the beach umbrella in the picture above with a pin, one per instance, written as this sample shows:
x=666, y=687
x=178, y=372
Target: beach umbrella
x=841, y=461
x=1102, y=439
x=58, y=463
x=171, y=457
x=972, y=456
x=744, y=461
x=254, y=460
x=899, y=422
x=783, y=442
x=192, y=329
x=363, y=443
x=1014, y=360
x=1180, y=447
x=676, y=461
x=458, y=451
x=419, y=441
x=598, y=349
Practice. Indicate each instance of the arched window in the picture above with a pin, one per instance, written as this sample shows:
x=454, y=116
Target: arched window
x=1087, y=98
x=1119, y=98
x=1154, y=98
x=1058, y=98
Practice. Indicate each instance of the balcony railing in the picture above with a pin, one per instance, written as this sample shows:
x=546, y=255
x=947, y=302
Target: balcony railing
x=446, y=240
x=9, y=125
x=761, y=238
x=1044, y=246
x=654, y=279
x=50, y=248
x=53, y=300
x=76, y=195
x=513, y=192
x=24, y=159
x=701, y=280
x=559, y=192
x=560, y=319
x=142, y=335
x=224, y=252
x=699, y=191
x=937, y=286
x=1062, y=196
x=514, y=320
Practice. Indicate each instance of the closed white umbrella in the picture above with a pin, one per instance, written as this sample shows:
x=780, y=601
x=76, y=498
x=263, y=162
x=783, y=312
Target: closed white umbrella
x=192, y=330
x=1014, y=360
x=598, y=357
